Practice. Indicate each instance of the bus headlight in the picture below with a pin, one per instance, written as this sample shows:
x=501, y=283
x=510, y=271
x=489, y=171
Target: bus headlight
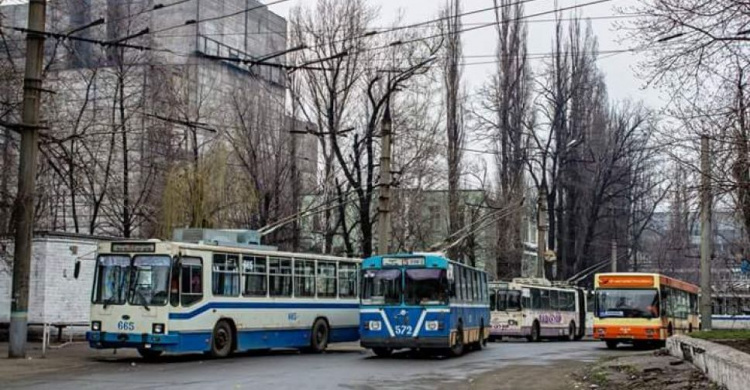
x=96, y=326
x=158, y=328
x=375, y=325
x=432, y=325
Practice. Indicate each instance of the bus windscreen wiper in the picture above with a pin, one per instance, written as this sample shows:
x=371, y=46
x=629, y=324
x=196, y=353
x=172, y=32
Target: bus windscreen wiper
x=144, y=302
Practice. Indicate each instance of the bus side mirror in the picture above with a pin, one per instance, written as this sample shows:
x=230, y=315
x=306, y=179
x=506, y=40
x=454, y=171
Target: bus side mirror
x=77, y=269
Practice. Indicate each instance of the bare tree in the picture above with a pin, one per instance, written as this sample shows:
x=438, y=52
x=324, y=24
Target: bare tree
x=454, y=120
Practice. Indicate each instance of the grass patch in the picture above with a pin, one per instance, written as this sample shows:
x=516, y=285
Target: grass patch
x=722, y=335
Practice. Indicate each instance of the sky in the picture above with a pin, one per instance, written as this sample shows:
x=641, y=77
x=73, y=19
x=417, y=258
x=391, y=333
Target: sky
x=619, y=69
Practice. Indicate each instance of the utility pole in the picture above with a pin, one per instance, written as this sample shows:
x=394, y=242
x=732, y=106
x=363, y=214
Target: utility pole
x=384, y=205
x=706, y=205
x=614, y=255
x=29, y=129
x=541, y=230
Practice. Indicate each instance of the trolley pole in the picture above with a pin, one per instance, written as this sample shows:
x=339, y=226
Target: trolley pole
x=614, y=255
x=541, y=230
x=384, y=205
x=706, y=205
x=24, y=207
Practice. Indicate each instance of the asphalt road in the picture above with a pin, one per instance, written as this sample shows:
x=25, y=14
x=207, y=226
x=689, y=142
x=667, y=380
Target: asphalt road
x=343, y=367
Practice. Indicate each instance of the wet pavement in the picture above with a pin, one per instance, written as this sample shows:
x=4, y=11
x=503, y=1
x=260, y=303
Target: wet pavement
x=344, y=366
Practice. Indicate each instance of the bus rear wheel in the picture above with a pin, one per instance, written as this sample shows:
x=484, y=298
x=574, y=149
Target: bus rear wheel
x=482, y=342
x=611, y=344
x=319, y=336
x=571, y=331
x=149, y=354
x=382, y=352
x=222, y=340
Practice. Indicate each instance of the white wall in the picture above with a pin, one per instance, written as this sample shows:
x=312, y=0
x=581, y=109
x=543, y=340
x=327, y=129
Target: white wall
x=55, y=295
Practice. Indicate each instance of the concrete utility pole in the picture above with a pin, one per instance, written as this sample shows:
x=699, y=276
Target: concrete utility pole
x=614, y=255
x=706, y=231
x=29, y=129
x=384, y=205
x=541, y=230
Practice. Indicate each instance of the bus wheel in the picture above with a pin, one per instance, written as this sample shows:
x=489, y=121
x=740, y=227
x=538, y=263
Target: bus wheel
x=458, y=348
x=149, y=354
x=382, y=352
x=319, y=336
x=611, y=344
x=535, y=336
x=571, y=331
x=482, y=342
x=222, y=340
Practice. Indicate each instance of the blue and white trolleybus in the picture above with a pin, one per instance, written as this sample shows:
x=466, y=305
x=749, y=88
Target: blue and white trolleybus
x=425, y=302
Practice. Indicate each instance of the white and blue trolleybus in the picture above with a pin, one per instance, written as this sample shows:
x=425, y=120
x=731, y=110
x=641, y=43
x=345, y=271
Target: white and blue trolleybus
x=424, y=302
x=219, y=298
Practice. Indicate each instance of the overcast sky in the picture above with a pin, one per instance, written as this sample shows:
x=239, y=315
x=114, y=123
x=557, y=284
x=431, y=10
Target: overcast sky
x=619, y=69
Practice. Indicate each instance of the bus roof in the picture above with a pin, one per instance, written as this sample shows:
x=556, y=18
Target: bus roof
x=430, y=260
x=173, y=248
x=641, y=280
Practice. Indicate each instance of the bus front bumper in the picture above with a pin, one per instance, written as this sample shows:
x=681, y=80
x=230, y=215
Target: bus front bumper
x=108, y=340
x=410, y=342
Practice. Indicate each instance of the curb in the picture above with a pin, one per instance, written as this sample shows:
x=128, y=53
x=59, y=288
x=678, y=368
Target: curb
x=723, y=365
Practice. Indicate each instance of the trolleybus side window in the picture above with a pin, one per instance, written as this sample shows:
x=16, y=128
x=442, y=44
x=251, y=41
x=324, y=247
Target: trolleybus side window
x=545, y=295
x=254, y=270
x=191, y=283
x=226, y=276
x=554, y=302
x=514, y=300
x=304, y=278
x=347, y=280
x=326, y=279
x=280, y=277
x=536, y=299
x=493, y=300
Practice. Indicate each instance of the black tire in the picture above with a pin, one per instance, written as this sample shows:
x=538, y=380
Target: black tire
x=482, y=342
x=382, y=352
x=222, y=340
x=319, y=336
x=457, y=349
x=149, y=354
x=611, y=344
x=535, y=336
x=571, y=331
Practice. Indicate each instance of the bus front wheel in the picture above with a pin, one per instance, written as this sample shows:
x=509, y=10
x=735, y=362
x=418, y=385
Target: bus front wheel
x=458, y=347
x=382, y=352
x=571, y=331
x=535, y=336
x=149, y=354
x=222, y=340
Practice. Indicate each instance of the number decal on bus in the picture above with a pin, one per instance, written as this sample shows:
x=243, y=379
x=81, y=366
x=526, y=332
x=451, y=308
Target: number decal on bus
x=126, y=325
x=403, y=330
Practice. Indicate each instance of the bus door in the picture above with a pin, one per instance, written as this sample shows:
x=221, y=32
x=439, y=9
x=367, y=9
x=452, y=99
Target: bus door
x=581, y=310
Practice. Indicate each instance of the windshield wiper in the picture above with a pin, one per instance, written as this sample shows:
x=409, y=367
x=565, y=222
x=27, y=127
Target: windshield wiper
x=108, y=302
x=144, y=302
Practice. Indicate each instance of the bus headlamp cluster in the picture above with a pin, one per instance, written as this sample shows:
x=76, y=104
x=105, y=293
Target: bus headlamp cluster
x=158, y=328
x=374, y=325
x=96, y=326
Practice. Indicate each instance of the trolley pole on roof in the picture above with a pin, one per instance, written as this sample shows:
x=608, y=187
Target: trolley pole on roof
x=24, y=207
x=384, y=200
x=706, y=205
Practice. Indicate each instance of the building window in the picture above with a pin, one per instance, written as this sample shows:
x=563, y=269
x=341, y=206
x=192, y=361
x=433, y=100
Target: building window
x=304, y=278
x=280, y=277
x=326, y=279
x=254, y=271
x=226, y=277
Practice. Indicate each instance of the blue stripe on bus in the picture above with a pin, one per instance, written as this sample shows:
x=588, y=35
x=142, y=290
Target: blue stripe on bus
x=260, y=305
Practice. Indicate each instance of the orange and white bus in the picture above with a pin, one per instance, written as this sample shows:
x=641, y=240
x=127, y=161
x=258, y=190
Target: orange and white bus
x=643, y=309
